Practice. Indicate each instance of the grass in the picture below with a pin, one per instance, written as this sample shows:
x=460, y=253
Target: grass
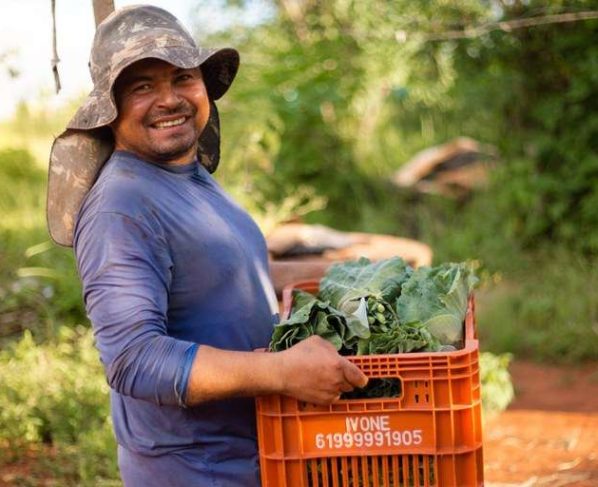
x=55, y=402
x=545, y=310
x=38, y=282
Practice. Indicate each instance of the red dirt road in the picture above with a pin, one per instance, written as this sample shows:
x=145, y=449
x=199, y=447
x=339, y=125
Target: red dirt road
x=549, y=435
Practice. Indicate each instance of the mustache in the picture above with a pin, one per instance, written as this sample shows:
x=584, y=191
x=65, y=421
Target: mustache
x=184, y=109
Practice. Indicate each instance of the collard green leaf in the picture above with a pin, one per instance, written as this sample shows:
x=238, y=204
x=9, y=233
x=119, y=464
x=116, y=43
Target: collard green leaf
x=412, y=337
x=353, y=313
x=349, y=281
x=311, y=316
x=437, y=297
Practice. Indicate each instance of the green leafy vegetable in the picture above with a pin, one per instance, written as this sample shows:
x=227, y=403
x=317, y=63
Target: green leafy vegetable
x=497, y=388
x=410, y=337
x=437, y=298
x=382, y=307
x=345, y=284
x=312, y=316
x=364, y=290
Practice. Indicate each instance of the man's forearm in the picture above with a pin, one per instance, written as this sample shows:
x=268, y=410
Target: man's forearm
x=218, y=374
x=311, y=371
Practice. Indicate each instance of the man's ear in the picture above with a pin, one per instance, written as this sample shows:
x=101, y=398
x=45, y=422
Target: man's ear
x=105, y=133
x=108, y=132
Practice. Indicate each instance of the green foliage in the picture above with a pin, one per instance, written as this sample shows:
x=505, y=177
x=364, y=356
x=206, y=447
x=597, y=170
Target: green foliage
x=545, y=309
x=350, y=281
x=382, y=307
x=367, y=292
x=320, y=100
x=440, y=292
x=497, y=388
x=405, y=338
x=56, y=394
x=52, y=394
x=538, y=90
x=437, y=298
x=311, y=316
x=21, y=190
x=39, y=288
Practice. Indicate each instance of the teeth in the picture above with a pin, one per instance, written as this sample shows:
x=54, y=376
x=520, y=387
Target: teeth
x=171, y=123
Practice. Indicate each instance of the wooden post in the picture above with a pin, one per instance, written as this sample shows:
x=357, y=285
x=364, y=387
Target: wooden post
x=101, y=9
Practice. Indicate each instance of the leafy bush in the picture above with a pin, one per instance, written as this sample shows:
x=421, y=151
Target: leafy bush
x=327, y=98
x=56, y=394
x=497, y=388
x=545, y=309
x=535, y=90
x=39, y=288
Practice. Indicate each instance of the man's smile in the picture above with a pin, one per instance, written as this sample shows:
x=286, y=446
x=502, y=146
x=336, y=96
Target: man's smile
x=169, y=123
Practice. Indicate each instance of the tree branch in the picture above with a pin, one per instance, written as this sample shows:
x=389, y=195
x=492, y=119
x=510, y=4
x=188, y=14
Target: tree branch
x=509, y=25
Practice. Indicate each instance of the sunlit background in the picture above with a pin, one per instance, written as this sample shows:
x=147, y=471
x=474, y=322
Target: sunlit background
x=26, y=39
x=466, y=128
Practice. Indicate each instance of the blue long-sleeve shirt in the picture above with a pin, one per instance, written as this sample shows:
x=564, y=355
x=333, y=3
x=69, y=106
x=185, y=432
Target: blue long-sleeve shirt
x=169, y=262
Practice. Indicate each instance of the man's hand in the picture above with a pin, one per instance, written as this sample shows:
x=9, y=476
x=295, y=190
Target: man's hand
x=314, y=372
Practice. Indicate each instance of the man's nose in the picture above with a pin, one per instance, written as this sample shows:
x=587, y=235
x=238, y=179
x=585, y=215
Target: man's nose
x=168, y=97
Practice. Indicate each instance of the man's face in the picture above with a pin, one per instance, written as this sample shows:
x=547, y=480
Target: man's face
x=162, y=110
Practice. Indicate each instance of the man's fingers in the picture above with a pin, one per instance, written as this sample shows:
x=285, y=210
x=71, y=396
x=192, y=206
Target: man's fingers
x=354, y=375
x=315, y=372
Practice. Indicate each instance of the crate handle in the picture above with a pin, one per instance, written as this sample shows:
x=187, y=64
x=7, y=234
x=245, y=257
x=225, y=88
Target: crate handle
x=309, y=285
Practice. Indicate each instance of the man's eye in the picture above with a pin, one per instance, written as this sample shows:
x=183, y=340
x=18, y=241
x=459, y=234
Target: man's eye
x=184, y=77
x=141, y=88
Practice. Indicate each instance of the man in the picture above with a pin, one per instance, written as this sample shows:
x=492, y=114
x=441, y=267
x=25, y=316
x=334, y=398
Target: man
x=174, y=273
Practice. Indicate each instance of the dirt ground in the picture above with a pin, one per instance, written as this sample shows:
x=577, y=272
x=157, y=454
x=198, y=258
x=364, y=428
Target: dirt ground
x=549, y=434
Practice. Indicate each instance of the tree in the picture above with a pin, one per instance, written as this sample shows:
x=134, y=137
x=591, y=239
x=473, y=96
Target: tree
x=319, y=94
x=537, y=88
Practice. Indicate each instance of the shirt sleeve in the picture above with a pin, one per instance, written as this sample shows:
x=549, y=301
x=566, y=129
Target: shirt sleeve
x=125, y=269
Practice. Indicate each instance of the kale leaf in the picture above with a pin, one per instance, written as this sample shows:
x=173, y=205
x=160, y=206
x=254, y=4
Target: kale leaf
x=382, y=307
x=312, y=316
x=437, y=298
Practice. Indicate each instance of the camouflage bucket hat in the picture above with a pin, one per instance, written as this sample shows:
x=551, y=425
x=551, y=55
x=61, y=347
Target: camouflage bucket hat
x=126, y=36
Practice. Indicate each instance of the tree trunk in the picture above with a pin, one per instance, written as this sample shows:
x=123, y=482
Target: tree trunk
x=101, y=9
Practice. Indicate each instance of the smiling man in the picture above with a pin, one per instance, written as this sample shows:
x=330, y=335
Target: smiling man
x=162, y=111
x=175, y=275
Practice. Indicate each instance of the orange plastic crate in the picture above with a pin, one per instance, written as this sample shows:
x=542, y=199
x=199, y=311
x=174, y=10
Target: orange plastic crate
x=429, y=436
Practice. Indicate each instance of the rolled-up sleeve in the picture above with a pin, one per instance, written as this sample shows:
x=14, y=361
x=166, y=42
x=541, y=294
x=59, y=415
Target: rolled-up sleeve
x=125, y=269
